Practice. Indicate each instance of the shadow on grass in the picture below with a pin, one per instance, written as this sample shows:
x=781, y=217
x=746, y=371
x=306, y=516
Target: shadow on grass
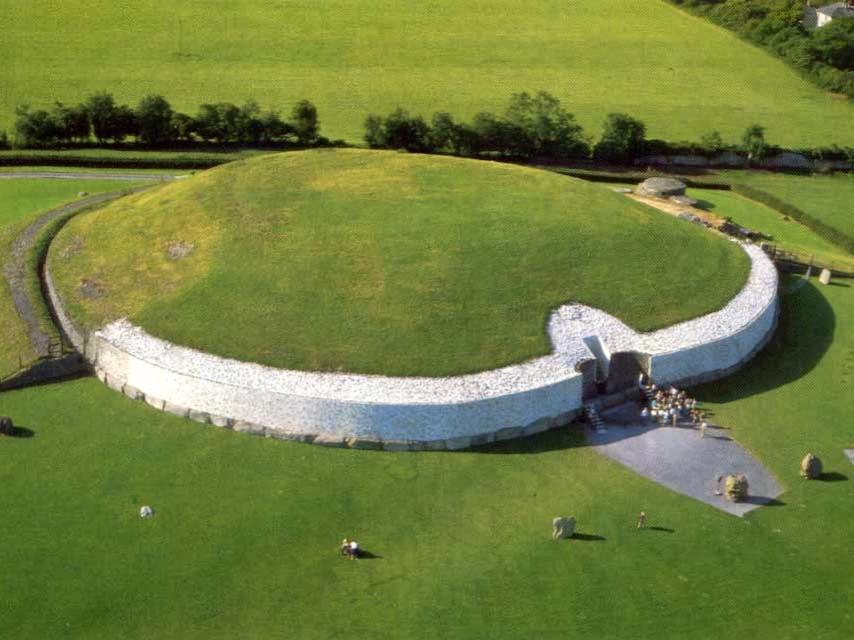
x=764, y=501
x=662, y=529
x=804, y=334
x=836, y=283
x=589, y=537
x=553, y=440
x=21, y=432
x=367, y=555
x=832, y=476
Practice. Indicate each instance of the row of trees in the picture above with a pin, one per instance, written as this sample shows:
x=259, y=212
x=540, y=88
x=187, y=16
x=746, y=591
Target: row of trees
x=538, y=127
x=154, y=122
x=824, y=55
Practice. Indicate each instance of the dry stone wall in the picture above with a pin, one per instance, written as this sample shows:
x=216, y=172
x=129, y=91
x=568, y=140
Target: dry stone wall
x=363, y=411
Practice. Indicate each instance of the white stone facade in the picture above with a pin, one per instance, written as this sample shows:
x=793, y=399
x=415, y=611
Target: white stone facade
x=425, y=413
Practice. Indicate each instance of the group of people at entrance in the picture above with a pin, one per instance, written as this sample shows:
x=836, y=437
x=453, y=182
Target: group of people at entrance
x=669, y=406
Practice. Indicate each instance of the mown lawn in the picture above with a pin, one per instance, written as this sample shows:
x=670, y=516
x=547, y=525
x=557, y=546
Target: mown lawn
x=380, y=262
x=21, y=200
x=681, y=75
x=828, y=198
x=244, y=541
x=786, y=233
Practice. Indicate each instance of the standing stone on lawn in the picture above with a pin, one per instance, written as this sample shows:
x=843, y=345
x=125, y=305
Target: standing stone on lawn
x=7, y=427
x=810, y=467
x=824, y=278
x=563, y=528
x=736, y=488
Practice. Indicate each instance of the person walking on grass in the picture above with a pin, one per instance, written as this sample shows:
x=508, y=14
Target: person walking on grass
x=641, y=520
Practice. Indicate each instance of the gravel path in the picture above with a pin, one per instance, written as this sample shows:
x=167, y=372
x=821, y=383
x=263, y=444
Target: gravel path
x=61, y=175
x=16, y=271
x=682, y=461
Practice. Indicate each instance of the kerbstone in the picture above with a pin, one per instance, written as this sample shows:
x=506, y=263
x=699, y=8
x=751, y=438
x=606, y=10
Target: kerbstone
x=132, y=392
x=199, y=416
x=154, y=402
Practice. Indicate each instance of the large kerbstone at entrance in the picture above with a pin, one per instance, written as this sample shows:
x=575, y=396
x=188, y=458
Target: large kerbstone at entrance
x=661, y=187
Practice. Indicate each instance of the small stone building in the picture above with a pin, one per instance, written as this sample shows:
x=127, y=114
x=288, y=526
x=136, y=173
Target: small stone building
x=816, y=17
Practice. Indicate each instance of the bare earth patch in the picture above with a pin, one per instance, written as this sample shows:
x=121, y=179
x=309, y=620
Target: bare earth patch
x=91, y=290
x=178, y=249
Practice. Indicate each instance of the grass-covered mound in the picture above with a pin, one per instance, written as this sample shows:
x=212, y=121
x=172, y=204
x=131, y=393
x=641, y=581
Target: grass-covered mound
x=380, y=262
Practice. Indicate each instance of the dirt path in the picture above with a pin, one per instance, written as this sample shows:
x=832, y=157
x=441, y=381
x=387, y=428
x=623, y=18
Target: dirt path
x=16, y=270
x=61, y=175
x=674, y=209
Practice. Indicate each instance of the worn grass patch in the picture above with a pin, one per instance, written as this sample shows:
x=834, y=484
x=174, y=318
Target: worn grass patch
x=381, y=262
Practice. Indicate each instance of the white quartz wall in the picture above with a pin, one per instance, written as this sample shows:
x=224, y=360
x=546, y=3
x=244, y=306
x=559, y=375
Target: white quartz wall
x=418, y=413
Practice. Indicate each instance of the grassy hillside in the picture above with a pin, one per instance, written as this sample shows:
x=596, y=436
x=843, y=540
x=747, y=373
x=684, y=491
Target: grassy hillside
x=827, y=198
x=681, y=75
x=381, y=262
x=22, y=200
x=787, y=234
x=244, y=540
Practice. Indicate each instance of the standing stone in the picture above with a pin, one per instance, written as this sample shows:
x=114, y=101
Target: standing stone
x=824, y=278
x=7, y=427
x=736, y=488
x=810, y=467
x=563, y=528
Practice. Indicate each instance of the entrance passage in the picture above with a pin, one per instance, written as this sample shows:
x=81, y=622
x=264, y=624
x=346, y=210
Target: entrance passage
x=624, y=369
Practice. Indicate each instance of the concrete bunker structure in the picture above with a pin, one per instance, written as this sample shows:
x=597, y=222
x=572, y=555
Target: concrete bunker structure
x=592, y=352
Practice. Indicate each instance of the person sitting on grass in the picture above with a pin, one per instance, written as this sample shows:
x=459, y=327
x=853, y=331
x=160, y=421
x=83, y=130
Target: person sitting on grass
x=354, y=550
x=345, y=547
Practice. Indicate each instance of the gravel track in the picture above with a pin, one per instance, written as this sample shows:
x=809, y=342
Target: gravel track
x=61, y=175
x=16, y=270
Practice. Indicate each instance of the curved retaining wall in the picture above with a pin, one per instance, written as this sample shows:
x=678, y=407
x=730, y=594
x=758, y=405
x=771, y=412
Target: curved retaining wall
x=423, y=413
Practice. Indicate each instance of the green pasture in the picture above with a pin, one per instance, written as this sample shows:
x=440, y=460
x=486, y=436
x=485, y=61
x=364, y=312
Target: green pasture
x=244, y=540
x=679, y=74
x=21, y=200
x=828, y=198
x=382, y=262
x=784, y=232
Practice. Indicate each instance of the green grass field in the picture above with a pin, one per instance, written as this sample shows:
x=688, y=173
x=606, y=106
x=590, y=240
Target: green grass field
x=679, y=74
x=380, y=262
x=827, y=198
x=244, y=541
x=22, y=200
x=787, y=234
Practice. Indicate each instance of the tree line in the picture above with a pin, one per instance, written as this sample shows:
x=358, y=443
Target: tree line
x=153, y=122
x=538, y=127
x=824, y=55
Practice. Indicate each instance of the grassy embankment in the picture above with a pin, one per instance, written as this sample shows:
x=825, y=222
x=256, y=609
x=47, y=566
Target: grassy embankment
x=681, y=75
x=22, y=201
x=827, y=198
x=380, y=262
x=786, y=233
